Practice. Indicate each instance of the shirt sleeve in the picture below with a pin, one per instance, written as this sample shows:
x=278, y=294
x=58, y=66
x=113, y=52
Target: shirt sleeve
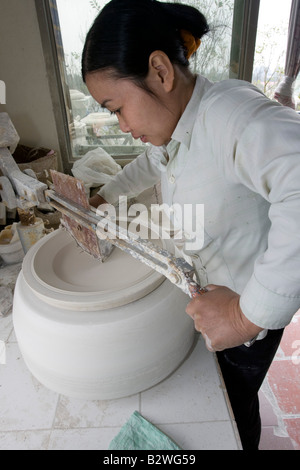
x=267, y=160
x=140, y=174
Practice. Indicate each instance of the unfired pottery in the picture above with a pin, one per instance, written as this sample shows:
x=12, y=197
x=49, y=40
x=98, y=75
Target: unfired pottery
x=96, y=330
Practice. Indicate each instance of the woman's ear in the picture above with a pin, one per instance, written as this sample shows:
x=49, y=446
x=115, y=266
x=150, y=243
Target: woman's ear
x=161, y=70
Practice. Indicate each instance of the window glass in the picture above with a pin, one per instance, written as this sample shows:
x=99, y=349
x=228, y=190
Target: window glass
x=90, y=125
x=213, y=60
x=271, y=45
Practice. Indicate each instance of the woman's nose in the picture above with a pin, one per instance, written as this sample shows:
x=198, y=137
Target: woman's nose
x=123, y=125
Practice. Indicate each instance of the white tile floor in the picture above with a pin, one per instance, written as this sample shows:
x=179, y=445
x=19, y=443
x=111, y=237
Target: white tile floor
x=189, y=407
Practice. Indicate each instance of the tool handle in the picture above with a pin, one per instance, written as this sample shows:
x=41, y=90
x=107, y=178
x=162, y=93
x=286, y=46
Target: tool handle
x=195, y=289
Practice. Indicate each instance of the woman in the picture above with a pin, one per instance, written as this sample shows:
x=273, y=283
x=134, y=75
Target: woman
x=224, y=145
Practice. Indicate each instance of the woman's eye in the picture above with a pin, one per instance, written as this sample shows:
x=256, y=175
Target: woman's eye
x=117, y=111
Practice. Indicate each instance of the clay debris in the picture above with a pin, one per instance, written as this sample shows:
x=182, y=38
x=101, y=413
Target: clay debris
x=27, y=217
x=6, y=303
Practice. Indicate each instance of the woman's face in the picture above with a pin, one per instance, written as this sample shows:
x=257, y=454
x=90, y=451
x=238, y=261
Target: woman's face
x=147, y=117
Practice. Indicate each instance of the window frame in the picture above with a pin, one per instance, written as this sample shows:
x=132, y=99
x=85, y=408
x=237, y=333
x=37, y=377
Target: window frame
x=245, y=22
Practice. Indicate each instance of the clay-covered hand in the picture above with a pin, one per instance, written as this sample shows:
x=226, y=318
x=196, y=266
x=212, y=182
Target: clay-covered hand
x=96, y=200
x=219, y=318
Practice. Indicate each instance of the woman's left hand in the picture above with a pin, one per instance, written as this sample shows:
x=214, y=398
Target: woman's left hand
x=219, y=318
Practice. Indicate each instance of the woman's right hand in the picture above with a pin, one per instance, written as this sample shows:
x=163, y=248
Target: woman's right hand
x=96, y=201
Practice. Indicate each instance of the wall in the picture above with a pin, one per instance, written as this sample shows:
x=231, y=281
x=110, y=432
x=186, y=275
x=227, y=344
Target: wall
x=23, y=69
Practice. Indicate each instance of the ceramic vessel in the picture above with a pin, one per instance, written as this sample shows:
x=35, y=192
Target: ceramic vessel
x=96, y=330
x=11, y=250
x=12, y=253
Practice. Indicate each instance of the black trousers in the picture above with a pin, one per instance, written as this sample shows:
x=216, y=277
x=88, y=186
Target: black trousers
x=244, y=370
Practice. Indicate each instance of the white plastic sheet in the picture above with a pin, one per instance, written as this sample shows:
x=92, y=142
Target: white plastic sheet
x=95, y=168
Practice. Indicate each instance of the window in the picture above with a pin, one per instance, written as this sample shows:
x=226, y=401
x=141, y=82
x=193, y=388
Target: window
x=226, y=52
x=271, y=42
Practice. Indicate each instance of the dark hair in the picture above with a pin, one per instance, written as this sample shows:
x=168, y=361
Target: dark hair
x=126, y=32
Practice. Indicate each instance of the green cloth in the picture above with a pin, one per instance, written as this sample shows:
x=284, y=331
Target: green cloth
x=139, y=434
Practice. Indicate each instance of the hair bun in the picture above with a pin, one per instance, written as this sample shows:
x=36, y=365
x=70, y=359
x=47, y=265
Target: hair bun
x=190, y=42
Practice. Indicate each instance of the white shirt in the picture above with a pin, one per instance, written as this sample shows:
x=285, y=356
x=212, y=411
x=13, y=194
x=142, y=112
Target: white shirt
x=238, y=153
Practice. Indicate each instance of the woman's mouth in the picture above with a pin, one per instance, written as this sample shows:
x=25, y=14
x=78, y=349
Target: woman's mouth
x=143, y=138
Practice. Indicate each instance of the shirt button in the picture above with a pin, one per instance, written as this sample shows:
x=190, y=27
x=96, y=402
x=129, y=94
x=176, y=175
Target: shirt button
x=172, y=179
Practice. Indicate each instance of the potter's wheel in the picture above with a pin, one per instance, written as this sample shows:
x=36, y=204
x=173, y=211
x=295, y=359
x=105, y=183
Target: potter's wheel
x=61, y=273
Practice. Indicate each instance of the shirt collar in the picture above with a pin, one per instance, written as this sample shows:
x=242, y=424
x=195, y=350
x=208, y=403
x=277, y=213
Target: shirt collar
x=184, y=128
